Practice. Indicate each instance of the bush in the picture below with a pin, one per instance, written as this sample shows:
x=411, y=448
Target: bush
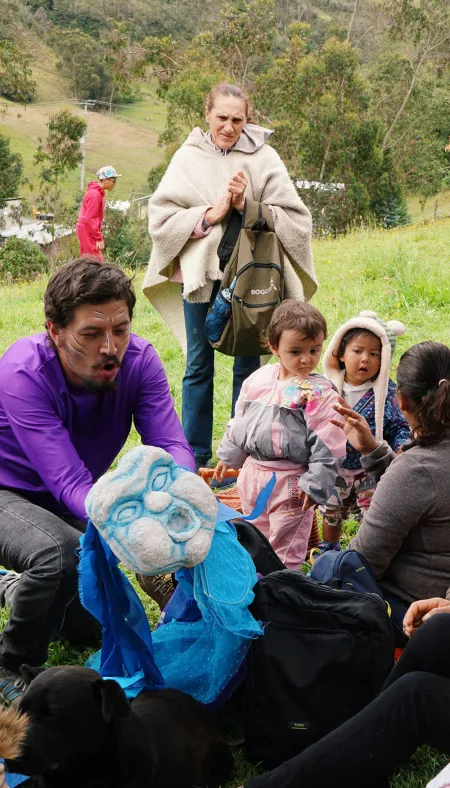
x=392, y=212
x=335, y=211
x=21, y=259
x=127, y=241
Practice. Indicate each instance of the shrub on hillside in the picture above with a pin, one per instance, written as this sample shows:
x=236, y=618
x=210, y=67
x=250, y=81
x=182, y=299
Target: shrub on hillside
x=334, y=210
x=21, y=259
x=392, y=212
x=127, y=241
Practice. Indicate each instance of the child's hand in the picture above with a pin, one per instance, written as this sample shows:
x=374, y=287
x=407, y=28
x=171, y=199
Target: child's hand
x=219, y=472
x=307, y=501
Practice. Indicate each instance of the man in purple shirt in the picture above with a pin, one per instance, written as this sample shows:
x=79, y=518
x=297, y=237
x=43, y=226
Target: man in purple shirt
x=67, y=401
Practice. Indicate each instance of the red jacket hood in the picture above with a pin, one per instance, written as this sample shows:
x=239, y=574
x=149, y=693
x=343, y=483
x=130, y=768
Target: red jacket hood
x=95, y=185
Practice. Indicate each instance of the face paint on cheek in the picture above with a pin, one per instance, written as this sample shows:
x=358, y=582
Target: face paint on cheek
x=78, y=349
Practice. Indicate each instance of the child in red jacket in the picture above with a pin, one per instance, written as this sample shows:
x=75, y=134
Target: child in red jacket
x=89, y=224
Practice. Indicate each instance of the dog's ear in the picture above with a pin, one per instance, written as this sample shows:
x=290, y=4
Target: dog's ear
x=113, y=699
x=29, y=673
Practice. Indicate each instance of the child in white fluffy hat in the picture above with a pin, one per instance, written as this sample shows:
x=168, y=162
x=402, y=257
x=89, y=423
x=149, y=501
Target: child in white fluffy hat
x=357, y=361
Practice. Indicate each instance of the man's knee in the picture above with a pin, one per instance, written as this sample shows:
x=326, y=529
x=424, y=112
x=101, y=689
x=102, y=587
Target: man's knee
x=57, y=558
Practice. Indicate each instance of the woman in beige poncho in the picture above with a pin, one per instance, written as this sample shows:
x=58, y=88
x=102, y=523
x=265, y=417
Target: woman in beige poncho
x=208, y=176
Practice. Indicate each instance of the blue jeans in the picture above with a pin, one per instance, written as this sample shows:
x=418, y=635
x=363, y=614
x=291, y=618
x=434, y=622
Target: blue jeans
x=198, y=382
x=43, y=548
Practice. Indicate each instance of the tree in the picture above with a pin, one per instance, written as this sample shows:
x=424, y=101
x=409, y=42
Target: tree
x=58, y=155
x=319, y=103
x=418, y=141
x=16, y=82
x=11, y=171
x=82, y=62
x=126, y=60
x=425, y=27
x=245, y=36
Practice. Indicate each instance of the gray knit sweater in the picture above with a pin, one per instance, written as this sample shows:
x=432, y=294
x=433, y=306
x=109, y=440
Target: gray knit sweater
x=405, y=535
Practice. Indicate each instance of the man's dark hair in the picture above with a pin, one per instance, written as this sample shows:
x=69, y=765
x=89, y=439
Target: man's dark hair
x=85, y=281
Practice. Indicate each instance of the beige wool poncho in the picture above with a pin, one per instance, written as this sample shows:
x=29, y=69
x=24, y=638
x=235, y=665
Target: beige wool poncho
x=195, y=180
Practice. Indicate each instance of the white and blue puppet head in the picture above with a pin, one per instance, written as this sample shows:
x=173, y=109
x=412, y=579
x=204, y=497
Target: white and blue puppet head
x=155, y=516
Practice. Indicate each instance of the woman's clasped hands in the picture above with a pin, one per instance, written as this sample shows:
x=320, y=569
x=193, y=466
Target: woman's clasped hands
x=234, y=197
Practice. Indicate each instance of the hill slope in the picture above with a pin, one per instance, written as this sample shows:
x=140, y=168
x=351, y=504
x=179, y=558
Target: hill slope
x=127, y=138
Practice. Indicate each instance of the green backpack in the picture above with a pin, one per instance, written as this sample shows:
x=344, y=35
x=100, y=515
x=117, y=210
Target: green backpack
x=253, y=283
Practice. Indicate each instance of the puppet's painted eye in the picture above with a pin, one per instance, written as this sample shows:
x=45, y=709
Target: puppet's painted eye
x=160, y=479
x=128, y=511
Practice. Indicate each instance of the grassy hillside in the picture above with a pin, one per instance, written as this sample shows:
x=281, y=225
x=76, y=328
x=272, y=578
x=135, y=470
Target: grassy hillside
x=127, y=138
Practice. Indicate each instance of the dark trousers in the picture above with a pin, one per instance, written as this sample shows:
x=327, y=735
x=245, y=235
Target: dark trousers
x=198, y=382
x=413, y=709
x=42, y=547
x=398, y=609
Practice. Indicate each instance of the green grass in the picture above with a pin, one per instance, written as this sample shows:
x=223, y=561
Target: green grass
x=435, y=207
x=402, y=274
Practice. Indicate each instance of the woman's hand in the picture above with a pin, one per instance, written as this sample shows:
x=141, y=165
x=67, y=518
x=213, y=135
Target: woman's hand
x=220, y=470
x=219, y=211
x=237, y=187
x=355, y=428
x=420, y=612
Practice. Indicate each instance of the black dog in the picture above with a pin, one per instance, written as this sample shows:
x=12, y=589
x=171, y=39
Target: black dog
x=81, y=732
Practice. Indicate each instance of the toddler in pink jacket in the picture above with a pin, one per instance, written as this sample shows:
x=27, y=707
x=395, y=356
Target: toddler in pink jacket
x=282, y=425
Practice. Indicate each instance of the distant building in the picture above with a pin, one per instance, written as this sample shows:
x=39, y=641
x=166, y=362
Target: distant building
x=323, y=187
x=36, y=230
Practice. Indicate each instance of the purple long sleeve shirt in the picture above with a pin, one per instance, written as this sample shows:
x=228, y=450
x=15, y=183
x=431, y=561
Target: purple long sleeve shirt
x=56, y=439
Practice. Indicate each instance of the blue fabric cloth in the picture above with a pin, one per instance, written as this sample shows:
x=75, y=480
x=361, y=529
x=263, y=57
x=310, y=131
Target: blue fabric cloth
x=127, y=650
x=14, y=779
x=196, y=656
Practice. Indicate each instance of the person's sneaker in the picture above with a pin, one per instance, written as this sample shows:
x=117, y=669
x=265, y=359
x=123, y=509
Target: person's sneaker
x=321, y=548
x=12, y=687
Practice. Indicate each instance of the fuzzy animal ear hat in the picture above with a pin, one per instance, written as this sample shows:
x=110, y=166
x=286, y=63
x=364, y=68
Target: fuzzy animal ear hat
x=387, y=333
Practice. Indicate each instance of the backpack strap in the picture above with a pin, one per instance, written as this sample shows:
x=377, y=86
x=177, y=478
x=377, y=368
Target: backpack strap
x=257, y=216
x=229, y=238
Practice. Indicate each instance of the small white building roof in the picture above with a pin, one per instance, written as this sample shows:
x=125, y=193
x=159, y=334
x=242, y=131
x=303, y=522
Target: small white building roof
x=37, y=232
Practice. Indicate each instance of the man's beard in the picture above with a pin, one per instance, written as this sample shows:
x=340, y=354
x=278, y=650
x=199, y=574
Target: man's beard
x=100, y=388
x=107, y=385
x=88, y=384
